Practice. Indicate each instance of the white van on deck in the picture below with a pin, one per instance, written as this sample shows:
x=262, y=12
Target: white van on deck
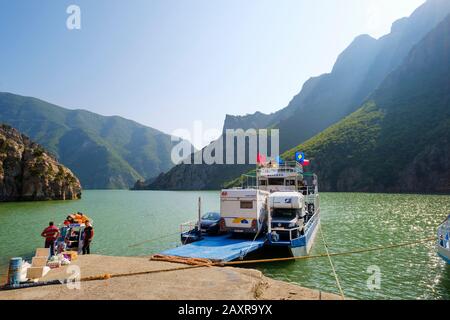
x=287, y=214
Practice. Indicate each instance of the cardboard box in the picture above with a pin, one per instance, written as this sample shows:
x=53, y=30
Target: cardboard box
x=42, y=252
x=39, y=261
x=35, y=272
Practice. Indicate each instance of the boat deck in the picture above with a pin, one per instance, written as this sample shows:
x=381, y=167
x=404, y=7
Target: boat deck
x=222, y=248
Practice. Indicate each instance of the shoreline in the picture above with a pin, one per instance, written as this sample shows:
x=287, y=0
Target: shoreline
x=343, y=192
x=154, y=280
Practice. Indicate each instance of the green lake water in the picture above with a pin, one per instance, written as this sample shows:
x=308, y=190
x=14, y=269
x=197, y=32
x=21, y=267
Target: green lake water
x=349, y=221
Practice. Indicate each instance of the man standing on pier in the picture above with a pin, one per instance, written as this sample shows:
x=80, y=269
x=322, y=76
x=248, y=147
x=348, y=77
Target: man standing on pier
x=88, y=235
x=51, y=234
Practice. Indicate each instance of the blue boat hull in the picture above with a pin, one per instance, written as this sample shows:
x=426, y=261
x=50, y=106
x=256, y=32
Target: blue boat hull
x=444, y=254
x=304, y=248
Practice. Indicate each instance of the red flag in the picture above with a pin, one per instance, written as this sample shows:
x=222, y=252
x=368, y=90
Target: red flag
x=260, y=159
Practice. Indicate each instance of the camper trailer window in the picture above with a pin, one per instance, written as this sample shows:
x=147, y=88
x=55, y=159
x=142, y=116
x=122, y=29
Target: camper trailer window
x=246, y=204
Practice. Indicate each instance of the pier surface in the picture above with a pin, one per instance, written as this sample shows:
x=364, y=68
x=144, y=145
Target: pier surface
x=205, y=283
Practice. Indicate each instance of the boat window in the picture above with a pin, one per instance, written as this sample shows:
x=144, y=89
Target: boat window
x=285, y=213
x=276, y=182
x=290, y=183
x=211, y=216
x=263, y=182
x=246, y=204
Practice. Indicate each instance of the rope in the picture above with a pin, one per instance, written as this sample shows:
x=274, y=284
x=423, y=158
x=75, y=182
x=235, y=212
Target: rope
x=324, y=255
x=121, y=275
x=338, y=284
x=159, y=238
x=193, y=263
x=189, y=261
x=154, y=239
x=200, y=263
x=251, y=244
x=105, y=276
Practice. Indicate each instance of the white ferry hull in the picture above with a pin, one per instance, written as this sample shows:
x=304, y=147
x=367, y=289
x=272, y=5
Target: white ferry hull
x=303, y=251
x=443, y=243
x=302, y=246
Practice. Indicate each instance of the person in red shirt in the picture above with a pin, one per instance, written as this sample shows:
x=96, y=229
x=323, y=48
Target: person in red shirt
x=51, y=234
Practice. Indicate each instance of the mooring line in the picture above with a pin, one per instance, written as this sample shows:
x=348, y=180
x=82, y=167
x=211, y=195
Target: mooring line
x=324, y=255
x=203, y=264
x=154, y=239
x=338, y=284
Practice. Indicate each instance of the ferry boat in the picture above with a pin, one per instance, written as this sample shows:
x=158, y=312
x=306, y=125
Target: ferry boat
x=293, y=206
x=443, y=245
x=277, y=207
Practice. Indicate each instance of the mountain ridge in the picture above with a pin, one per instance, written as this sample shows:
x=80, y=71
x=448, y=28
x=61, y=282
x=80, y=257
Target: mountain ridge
x=103, y=151
x=399, y=141
x=323, y=100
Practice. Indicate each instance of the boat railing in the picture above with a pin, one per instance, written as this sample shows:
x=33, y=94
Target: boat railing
x=188, y=226
x=297, y=230
x=290, y=232
x=311, y=220
x=272, y=189
x=286, y=167
x=308, y=190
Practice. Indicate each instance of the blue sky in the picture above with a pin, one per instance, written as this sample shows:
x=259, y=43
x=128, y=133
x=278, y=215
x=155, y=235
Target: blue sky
x=167, y=63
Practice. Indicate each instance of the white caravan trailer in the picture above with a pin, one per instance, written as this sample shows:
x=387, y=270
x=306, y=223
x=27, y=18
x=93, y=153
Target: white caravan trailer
x=243, y=210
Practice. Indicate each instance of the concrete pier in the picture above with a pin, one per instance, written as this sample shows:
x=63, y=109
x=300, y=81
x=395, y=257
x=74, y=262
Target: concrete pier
x=205, y=283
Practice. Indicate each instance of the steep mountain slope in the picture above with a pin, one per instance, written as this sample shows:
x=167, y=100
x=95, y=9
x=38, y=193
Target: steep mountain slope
x=358, y=71
x=323, y=100
x=399, y=141
x=28, y=172
x=104, y=152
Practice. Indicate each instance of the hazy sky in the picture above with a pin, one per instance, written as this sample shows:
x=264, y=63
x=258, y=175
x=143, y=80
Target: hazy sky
x=167, y=63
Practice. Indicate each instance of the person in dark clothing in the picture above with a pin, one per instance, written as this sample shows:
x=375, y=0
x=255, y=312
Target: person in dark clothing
x=51, y=233
x=88, y=236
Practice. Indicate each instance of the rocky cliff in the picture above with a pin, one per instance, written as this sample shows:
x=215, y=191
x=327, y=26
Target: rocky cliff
x=28, y=172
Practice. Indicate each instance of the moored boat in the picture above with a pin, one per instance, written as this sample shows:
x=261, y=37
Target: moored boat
x=281, y=210
x=293, y=206
x=443, y=245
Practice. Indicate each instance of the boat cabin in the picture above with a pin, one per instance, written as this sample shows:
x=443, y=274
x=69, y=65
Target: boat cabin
x=289, y=176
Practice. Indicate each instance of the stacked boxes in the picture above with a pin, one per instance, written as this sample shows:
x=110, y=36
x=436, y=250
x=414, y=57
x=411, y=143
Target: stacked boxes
x=39, y=264
x=42, y=252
